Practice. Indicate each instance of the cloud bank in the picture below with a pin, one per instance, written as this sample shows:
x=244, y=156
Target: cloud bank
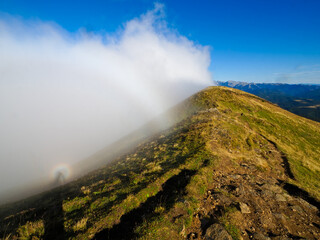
x=63, y=96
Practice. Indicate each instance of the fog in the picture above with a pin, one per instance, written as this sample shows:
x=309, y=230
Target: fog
x=64, y=96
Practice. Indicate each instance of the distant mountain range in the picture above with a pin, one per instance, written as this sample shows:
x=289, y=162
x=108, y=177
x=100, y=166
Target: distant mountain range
x=301, y=99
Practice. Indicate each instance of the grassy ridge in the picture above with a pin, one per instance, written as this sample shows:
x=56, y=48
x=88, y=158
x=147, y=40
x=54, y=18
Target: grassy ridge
x=297, y=137
x=154, y=191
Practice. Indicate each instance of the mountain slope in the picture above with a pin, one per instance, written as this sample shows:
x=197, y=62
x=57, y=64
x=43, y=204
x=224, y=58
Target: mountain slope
x=301, y=99
x=235, y=164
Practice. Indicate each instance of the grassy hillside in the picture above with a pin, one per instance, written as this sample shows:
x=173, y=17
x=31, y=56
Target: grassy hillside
x=300, y=99
x=233, y=162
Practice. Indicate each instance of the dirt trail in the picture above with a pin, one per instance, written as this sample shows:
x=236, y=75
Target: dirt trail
x=258, y=204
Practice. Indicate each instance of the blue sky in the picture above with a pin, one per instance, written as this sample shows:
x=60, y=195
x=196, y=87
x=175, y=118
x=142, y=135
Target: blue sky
x=249, y=40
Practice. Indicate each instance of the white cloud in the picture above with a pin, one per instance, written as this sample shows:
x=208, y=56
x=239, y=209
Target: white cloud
x=64, y=96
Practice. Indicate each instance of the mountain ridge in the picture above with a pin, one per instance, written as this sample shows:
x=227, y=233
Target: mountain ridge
x=301, y=99
x=234, y=163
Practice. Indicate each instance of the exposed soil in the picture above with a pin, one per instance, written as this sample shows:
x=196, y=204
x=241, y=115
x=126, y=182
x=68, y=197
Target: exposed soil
x=260, y=204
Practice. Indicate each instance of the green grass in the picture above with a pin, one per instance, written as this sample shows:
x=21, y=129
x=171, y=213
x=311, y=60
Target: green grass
x=31, y=230
x=216, y=124
x=74, y=204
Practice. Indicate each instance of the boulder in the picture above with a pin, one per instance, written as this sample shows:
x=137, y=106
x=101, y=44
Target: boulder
x=244, y=208
x=217, y=232
x=260, y=236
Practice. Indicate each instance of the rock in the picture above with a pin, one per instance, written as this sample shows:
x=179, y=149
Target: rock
x=241, y=190
x=279, y=216
x=244, y=208
x=183, y=231
x=297, y=209
x=260, y=236
x=273, y=188
x=223, y=199
x=267, y=221
x=235, y=176
x=280, y=198
x=217, y=232
x=308, y=205
x=193, y=236
x=267, y=193
x=288, y=197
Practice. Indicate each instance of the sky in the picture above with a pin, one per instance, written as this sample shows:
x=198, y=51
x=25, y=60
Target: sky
x=250, y=40
x=77, y=76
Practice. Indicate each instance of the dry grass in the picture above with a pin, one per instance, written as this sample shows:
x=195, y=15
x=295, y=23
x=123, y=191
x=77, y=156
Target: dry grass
x=214, y=127
x=31, y=230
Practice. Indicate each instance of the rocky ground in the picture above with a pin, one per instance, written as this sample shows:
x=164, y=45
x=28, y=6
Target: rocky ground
x=233, y=166
x=256, y=203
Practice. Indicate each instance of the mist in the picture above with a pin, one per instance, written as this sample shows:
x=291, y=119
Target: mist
x=64, y=96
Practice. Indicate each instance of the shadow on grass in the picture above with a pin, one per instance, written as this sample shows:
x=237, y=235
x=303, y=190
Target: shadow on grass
x=54, y=221
x=172, y=189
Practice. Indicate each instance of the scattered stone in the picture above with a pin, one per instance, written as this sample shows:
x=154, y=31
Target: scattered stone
x=183, y=231
x=297, y=209
x=235, y=176
x=267, y=193
x=223, y=199
x=273, y=188
x=279, y=216
x=266, y=210
x=260, y=236
x=217, y=232
x=280, y=198
x=193, y=236
x=267, y=221
x=288, y=197
x=244, y=208
x=308, y=205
